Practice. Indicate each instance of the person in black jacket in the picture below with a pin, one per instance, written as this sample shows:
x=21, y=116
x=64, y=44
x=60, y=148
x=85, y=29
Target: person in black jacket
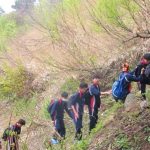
x=57, y=114
x=77, y=106
x=145, y=61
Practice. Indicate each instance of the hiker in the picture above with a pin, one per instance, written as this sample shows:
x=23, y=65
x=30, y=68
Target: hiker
x=93, y=100
x=145, y=66
x=77, y=106
x=56, y=110
x=122, y=87
x=11, y=135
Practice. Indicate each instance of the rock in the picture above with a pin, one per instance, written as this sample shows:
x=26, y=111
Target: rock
x=131, y=103
x=143, y=104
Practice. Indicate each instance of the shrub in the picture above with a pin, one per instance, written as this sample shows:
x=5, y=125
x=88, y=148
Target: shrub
x=122, y=142
x=15, y=82
x=7, y=30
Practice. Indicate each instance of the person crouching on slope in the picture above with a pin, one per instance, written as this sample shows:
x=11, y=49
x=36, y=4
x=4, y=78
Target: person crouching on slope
x=11, y=135
x=143, y=64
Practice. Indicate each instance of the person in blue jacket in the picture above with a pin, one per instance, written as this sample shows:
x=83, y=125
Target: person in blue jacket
x=57, y=114
x=126, y=78
x=77, y=106
x=94, y=101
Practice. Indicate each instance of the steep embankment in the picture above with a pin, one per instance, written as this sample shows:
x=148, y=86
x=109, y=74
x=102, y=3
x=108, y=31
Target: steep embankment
x=126, y=131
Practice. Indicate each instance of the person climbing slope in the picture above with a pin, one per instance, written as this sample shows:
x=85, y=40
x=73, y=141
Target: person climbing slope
x=93, y=100
x=122, y=87
x=77, y=105
x=144, y=65
x=11, y=135
x=56, y=110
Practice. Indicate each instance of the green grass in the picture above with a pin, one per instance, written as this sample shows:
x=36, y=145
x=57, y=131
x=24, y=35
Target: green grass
x=71, y=85
x=83, y=145
x=8, y=29
x=122, y=142
x=12, y=81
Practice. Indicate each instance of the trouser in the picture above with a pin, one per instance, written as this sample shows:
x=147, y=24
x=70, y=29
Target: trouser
x=93, y=112
x=93, y=116
x=143, y=83
x=60, y=127
x=121, y=100
x=12, y=143
x=78, y=127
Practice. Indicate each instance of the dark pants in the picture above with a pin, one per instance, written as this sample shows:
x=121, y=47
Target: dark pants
x=142, y=86
x=60, y=127
x=93, y=112
x=121, y=100
x=93, y=116
x=78, y=127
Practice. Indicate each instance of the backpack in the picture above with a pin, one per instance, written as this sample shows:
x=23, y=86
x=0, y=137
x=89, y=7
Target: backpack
x=147, y=71
x=50, y=106
x=120, y=88
x=7, y=133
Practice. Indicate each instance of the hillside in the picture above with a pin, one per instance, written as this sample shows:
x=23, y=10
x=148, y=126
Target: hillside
x=53, y=46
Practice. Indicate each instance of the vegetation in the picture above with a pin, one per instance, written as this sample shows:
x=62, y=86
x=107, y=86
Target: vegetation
x=8, y=30
x=74, y=36
x=13, y=82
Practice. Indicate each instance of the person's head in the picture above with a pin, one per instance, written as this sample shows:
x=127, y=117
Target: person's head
x=96, y=80
x=146, y=58
x=21, y=122
x=64, y=95
x=83, y=87
x=125, y=67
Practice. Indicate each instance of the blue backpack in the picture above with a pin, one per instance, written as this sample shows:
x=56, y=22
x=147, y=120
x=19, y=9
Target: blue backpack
x=120, y=88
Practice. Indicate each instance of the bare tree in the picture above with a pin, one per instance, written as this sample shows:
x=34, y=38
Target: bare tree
x=128, y=20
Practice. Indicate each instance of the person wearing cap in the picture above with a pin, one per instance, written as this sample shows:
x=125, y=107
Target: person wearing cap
x=12, y=133
x=57, y=115
x=144, y=62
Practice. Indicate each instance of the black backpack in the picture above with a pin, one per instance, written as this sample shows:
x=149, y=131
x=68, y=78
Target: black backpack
x=147, y=71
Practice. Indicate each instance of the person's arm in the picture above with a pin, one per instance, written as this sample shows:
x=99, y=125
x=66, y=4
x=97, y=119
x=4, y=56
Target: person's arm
x=75, y=112
x=73, y=103
x=130, y=78
x=137, y=70
x=106, y=92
